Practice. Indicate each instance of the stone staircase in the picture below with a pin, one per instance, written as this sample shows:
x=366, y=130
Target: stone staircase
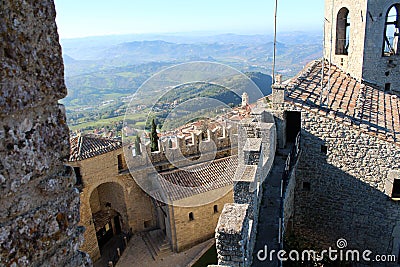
x=157, y=244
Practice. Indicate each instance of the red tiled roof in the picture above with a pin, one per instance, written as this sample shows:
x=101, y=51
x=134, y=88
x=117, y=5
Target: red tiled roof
x=199, y=178
x=83, y=147
x=351, y=101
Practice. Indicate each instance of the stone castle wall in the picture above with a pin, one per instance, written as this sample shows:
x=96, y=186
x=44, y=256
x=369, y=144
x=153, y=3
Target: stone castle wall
x=39, y=211
x=232, y=234
x=218, y=144
x=237, y=226
x=349, y=187
x=288, y=199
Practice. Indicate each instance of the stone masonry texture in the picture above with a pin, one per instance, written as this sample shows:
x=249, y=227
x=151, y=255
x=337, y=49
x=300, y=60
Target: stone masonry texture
x=39, y=206
x=347, y=197
x=237, y=226
x=231, y=234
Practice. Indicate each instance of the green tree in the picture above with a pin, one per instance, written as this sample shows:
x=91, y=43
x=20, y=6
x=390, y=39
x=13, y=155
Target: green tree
x=153, y=137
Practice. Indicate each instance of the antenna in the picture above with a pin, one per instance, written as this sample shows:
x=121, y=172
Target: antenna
x=274, y=56
x=323, y=89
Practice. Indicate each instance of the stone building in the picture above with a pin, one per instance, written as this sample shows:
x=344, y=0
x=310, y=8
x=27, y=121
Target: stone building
x=189, y=219
x=183, y=204
x=111, y=201
x=39, y=206
x=346, y=176
x=345, y=183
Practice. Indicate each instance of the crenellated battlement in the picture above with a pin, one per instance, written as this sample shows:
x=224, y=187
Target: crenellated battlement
x=237, y=226
x=194, y=148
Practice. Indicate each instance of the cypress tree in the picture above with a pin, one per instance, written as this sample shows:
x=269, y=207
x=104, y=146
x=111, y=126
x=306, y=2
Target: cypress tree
x=153, y=136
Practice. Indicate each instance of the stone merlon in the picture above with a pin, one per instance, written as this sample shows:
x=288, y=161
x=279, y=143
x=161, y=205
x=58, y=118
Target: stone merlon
x=232, y=219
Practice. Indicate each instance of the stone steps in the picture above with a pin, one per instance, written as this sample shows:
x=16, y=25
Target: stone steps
x=149, y=244
x=165, y=249
x=157, y=244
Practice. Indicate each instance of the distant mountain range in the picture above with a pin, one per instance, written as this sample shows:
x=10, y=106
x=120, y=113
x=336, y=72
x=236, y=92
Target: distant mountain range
x=87, y=48
x=90, y=54
x=109, y=68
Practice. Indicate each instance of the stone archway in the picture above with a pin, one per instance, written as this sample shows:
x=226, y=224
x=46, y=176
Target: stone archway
x=109, y=212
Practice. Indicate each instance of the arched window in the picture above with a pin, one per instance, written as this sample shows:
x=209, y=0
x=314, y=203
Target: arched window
x=391, y=36
x=215, y=208
x=191, y=216
x=342, y=32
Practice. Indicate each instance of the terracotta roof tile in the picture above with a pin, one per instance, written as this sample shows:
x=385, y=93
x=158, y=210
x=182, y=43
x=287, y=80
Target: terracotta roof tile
x=199, y=178
x=85, y=146
x=359, y=103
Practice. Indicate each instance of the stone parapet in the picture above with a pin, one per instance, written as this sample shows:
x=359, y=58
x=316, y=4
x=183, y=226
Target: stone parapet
x=235, y=238
x=232, y=235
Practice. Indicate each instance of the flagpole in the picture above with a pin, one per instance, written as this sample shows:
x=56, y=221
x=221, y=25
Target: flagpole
x=274, y=56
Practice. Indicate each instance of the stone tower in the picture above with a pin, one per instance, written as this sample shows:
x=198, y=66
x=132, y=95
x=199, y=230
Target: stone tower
x=245, y=99
x=365, y=40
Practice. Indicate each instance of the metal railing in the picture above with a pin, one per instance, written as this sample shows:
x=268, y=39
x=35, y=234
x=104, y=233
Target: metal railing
x=289, y=165
x=291, y=159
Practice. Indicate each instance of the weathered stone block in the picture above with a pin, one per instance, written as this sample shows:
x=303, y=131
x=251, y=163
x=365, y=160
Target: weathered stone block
x=39, y=208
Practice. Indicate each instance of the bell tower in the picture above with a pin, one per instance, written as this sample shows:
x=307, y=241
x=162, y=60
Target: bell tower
x=362, y=39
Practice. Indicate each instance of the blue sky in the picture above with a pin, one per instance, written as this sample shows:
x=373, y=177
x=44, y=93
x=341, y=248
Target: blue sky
x=80, y=18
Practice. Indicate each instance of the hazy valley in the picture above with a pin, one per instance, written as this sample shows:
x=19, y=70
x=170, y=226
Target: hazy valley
x=102, y=73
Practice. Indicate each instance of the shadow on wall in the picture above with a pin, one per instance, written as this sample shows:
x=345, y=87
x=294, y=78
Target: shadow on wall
x=331, y=204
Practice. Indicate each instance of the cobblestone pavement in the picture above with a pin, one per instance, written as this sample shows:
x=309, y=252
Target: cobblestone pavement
x=268, y=224
x=137, y=254
x=109, y=251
